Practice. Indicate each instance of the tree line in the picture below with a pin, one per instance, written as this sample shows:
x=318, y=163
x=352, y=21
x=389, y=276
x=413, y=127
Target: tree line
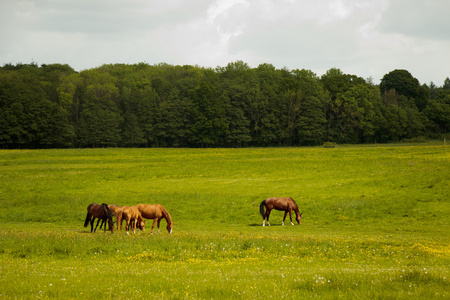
x=141, y=105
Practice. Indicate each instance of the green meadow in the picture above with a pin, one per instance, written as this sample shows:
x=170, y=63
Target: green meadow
x=375, y=223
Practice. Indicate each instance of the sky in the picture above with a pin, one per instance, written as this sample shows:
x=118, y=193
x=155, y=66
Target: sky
x=367, y=38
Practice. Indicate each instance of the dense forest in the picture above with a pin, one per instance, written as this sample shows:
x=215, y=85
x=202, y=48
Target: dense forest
x=141, y=105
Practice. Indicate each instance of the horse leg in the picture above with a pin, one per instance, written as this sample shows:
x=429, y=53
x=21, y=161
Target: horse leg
x=103, y=223
x=267, y=216
x=92, y=223
x=118, y=219
x=153, y=226
x=119, y=222
x=97, y=225
x=159, y=221
x=127, y=225
x=285, y=213
x=290, y=216
x=134, y=226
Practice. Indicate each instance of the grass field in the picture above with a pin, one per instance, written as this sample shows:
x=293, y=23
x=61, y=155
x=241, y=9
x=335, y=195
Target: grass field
x=375, y=223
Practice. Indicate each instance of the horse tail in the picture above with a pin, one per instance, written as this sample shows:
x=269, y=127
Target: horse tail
x=88, y=218
x=262, y=207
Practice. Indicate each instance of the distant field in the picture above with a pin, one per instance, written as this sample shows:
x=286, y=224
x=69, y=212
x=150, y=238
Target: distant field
x=375, y=223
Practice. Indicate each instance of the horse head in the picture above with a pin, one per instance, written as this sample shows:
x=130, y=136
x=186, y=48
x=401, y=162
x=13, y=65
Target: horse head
x=169, y=227
x=108, y=214
x=141, y=223
x=299, y=218
x=111, y=225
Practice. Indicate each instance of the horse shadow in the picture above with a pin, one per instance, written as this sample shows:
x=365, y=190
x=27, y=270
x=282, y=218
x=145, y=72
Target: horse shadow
x=260, y=225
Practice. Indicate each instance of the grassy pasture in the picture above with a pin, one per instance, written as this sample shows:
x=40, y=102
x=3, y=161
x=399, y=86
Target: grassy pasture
x=375, y=223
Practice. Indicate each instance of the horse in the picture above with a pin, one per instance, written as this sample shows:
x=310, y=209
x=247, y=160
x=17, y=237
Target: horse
x=101, y=212
x=132, y=217
x=284, y=204
x=117, y=212
x=156, y=212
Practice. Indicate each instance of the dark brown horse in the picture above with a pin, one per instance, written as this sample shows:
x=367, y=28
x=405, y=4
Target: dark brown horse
x=284, y=204
x=133, y=217
x=156, y=212
x=102, y=213
x=116, y=211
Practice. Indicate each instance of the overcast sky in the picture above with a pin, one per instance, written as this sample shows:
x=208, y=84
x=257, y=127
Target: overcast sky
x=368, y=38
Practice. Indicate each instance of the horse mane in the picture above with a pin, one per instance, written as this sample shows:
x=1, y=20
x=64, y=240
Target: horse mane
x=107, y=211
x=166, y=215
x=294, y=202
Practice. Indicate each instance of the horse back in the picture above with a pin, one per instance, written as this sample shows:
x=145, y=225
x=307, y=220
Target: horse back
x=130, y=212
x=95, y=210
x=150, y=211
x=286, y=203
x=114, y=208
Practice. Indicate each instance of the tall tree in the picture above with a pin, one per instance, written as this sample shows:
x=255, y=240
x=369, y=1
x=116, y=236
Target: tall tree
x=406, y=85
x=310, y=125
x=209, y=122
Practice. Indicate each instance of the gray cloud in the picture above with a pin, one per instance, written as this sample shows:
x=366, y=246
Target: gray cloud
x=422, y=19
x=362, y=37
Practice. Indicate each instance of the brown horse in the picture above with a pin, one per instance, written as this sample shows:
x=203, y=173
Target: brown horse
x=133, y=217
x=156, y=212
x=101, y=212
x=284, y=204
x=117, y=212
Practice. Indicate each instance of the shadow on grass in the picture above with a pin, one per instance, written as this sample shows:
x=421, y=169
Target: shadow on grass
x=260, y=225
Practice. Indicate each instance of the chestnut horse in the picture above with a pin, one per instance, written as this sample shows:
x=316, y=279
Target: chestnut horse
x=156, y=212
x=117, y=212
x=133, y=217
x=101, y=212
x=284, y=204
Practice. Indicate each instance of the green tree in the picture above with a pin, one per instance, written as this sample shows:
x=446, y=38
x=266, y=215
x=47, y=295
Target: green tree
x=341, y=109
x=173, y=121
x=29, y=118
x=209, y=122
x=310, y=125
x=406, y=85
x=100, y=118
x=438, y=112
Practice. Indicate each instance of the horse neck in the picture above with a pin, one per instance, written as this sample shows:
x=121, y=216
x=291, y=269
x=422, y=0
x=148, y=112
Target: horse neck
x=166, y=216
x=295, y=208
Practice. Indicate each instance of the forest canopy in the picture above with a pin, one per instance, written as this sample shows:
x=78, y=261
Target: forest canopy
x=141, y=105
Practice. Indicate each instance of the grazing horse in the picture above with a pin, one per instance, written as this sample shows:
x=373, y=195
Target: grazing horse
x=133, y=217
x=101, y=212
x=156, y=212
x=284, y=204
x=117, y=212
